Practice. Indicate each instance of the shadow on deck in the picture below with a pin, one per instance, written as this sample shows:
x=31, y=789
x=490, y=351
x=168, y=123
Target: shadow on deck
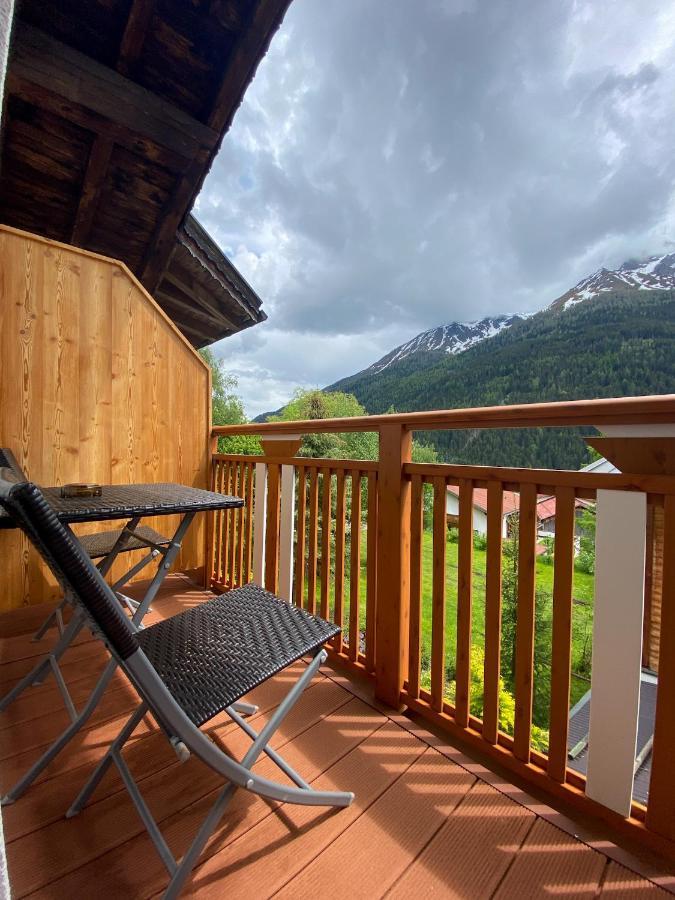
x=422, y=823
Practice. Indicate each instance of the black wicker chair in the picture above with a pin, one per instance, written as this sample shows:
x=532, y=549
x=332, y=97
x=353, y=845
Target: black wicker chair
x=186, y=670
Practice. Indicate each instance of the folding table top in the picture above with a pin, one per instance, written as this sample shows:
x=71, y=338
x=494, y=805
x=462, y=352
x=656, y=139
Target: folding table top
x=127, y=501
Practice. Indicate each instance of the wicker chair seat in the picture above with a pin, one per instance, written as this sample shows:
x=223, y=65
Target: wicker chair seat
x=211, y=655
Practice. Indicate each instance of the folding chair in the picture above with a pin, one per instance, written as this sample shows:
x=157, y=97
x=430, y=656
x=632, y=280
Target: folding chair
x=186, y=670
x=104, y=546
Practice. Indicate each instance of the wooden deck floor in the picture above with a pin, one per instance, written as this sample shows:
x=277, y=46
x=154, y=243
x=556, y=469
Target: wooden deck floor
x=421, y=825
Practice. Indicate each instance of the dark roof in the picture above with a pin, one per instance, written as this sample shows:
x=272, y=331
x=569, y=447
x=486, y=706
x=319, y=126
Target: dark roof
x=114, y=111
x=578, y=733
x=203, y=292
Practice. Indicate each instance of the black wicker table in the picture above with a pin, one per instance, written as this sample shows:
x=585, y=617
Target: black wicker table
x=128, y=501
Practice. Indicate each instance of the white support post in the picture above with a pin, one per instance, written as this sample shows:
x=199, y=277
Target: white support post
x=286, y=532
x=259, y=523
x=620, y=551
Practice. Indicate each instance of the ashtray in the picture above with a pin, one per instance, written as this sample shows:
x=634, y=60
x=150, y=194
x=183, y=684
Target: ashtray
x=81, y=490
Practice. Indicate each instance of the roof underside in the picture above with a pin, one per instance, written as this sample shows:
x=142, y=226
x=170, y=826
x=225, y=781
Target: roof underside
x=114, y=111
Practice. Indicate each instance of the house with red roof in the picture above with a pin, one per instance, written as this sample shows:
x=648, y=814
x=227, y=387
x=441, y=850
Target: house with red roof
x=511, y=500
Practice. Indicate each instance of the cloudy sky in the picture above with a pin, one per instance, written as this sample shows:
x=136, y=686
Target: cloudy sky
x=398, y=165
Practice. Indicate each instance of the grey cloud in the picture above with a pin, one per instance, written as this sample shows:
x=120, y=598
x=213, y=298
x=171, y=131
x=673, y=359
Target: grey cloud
x=395, y=166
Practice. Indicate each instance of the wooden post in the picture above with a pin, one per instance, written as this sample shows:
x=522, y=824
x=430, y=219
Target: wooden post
x=280, y=515
x=393, y=564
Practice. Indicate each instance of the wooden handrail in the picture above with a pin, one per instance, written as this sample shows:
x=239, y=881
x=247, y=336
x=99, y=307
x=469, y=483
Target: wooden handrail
x=617, y=411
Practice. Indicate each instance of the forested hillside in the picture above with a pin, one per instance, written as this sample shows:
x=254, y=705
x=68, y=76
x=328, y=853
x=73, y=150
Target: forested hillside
x=620, y=343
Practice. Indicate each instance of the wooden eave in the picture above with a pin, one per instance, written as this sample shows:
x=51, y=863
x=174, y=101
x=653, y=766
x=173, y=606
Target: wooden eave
x=203, y=292
x=114, y=111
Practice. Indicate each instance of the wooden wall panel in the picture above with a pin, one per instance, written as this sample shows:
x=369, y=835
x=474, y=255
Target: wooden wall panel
x=96, y=384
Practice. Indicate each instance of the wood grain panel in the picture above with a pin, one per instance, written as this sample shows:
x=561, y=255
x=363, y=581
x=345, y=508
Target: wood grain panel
x=96, y=384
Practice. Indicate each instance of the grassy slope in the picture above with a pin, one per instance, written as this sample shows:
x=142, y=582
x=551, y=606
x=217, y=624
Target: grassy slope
x=582, y=614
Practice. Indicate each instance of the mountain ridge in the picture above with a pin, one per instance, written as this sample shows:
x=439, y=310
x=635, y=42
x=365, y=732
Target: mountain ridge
x=616, y=339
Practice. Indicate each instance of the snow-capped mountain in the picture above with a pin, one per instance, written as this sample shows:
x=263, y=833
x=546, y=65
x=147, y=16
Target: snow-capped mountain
x=454, y=338
x=655, y=274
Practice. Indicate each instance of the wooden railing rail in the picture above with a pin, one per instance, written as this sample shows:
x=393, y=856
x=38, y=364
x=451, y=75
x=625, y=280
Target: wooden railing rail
x=370, y=550
x=618, y=411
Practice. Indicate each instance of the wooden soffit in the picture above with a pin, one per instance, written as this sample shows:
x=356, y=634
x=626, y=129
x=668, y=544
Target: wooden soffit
x=114, y=111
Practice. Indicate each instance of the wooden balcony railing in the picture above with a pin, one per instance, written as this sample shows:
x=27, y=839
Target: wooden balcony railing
x=347, y=539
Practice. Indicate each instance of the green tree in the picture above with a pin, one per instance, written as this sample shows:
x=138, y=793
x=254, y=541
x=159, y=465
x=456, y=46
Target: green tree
x=585, y=561
x=543, y=611
x=316, y=404
x=227, y=407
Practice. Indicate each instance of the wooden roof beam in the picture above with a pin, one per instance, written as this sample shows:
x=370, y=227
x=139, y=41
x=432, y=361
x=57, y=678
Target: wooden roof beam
x=195, y=298
x=40, y=59
x=99, y=159
x=133, y=38
x=247, y=54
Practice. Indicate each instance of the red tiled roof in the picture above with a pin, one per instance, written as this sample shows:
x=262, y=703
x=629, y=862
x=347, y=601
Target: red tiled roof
x=480, y=495
x=545, y=505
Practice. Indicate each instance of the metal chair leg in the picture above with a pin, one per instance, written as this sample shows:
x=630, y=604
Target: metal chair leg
x=26, y=780
x=180, y=871
x=56, y=616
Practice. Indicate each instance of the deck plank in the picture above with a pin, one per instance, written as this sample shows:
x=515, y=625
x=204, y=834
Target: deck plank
x=399, y=824
x=263, y=859
x=620, y=883
x=472, y=851
x=553, y=862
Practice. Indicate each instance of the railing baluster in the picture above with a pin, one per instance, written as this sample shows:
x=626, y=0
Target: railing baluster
x=464, y=603
x=438, y=595
x=355, y=568
x=371, y=572
x=313, y=538
x=338, y=617
x=300, y=541
x=493, y=612
x=561, y=656
x=416, y=532
x=325, y=542
x=660, y=807
x=524, y=675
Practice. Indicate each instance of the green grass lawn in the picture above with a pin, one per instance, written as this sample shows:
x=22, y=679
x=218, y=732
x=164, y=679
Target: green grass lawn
x=582, y=610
